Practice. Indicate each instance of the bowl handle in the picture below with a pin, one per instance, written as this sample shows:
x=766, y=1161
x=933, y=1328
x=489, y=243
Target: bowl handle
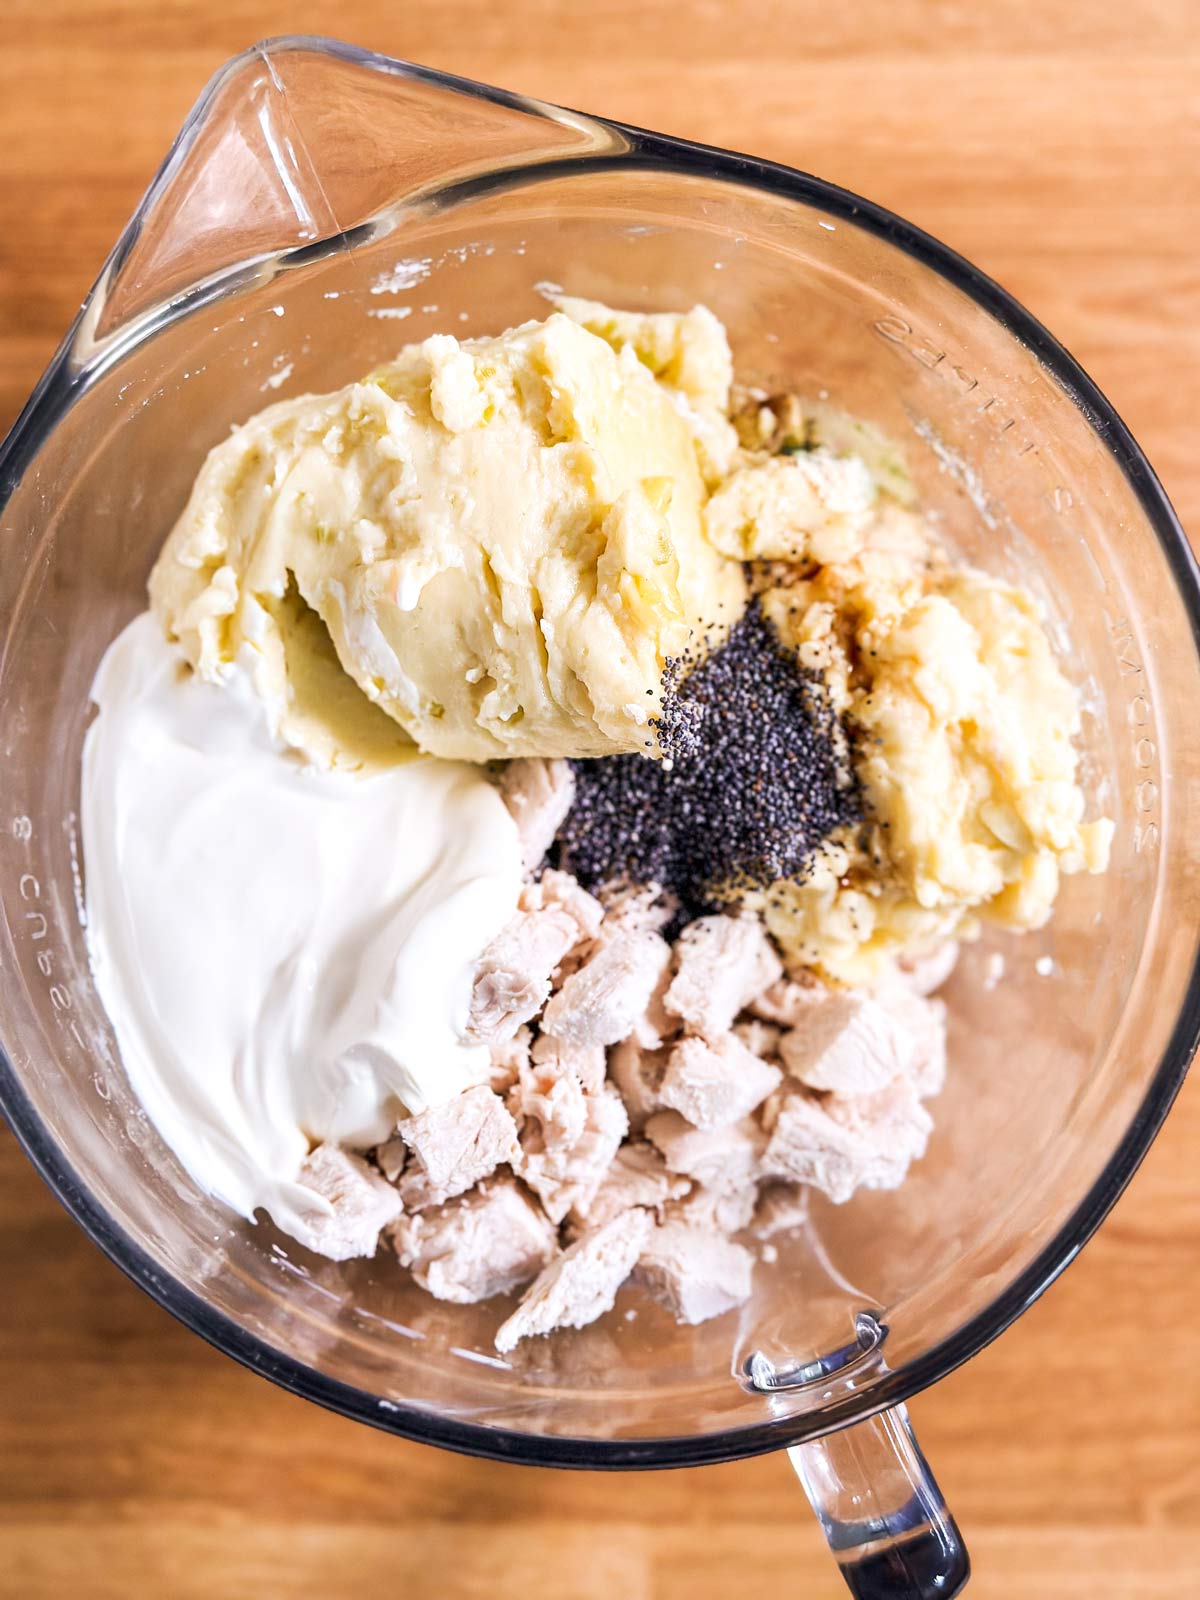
x=882, y=1511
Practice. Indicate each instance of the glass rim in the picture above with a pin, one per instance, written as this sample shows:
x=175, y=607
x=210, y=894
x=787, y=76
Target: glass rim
x=57, y=391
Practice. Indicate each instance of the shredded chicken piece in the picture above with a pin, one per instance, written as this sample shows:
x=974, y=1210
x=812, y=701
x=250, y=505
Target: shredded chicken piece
x=454, y=1145
x=722, y=1159
x=361, y=1204
x=726, y=1210
x=565, y=1173
x=508, y=1056
x=581, y=1284
x=695, y=1272
x=635, y=907
x=834, y=1153
x=549, y=1107
x=600, y=1003
x=656, y=1024
x=512, y=979
x=713, y=1082
x=538, y=794
x=896, y=1125
x=851, y=1044
x=638, y=1177
x=584, y=1062
x=787, y=1001
x=483, y=1243
x=637, y=1074
x=721, y=963
x=925, y=1021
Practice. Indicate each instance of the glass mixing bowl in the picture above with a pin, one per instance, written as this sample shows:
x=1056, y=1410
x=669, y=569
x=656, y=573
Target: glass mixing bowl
x=322, y=206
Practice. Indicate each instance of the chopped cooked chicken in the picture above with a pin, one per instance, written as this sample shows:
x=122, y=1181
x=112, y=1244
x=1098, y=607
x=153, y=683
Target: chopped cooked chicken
x=760, y=1037
x=852, y=1044
x=635, y=906
x=549, y=1107
x=925, y=1021
x=925, y=974
x=695, y=1272
x=559, y=890
x=483, y=1243
x=787, y=1001
x=808, y=1146
x=781, y=1207
x=721, y=963
x=565, y=1173
x=600, y=1003
x=512, y=979
x=715, y=1082
x=637, y=1073
x=538, y=793
x=508, y=1057
x=584, y=1062
x=723, y=1159
x=581, y=1284
x=811, y=1145
x=454, y=1145
x=726, y=1210
x=895, y=1124
x=637, y=1177
x=656, y=1024
x=360, y=1202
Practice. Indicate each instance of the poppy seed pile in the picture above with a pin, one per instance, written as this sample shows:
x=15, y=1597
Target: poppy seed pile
x=753, y=784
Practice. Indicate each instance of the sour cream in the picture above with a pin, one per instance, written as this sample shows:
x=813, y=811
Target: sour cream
x=285, y=955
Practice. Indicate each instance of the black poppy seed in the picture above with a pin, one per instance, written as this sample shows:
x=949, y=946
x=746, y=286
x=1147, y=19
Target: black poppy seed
x=753, y=786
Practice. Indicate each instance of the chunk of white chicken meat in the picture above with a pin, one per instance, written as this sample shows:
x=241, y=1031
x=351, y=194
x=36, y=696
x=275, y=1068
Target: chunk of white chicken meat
x=565, y=1172
x=808, y=1146
x=549, y=1106
x=925, y=1020
x=637, y=1073
x=713, y=1082
x=721, y=963
x=695, y=1272
x=512, y=977
x=721, y=1159
x=453, y=1145
x=538, y=794
x=638, y=1176
x=636, y=906
x=584, y=1062
x=852, y=1044
x=508, y=1056
x=358, y=1204
x=600, y=1003
x=787, y=1001
x=581, y=1284
x=894, y=1122
x=486, y=1242
x=840, y=1145
x=726, y=1210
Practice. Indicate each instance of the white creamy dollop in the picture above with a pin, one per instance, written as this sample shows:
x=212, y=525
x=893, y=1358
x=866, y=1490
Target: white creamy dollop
x=285, y=954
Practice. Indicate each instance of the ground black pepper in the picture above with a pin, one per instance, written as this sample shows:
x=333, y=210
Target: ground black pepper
x=752, y=788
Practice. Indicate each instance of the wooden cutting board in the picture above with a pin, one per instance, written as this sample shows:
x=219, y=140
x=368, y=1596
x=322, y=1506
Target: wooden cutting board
x=1057, y=144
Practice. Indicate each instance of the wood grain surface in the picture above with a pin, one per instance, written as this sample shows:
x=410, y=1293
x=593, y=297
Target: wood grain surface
x=1055, y=143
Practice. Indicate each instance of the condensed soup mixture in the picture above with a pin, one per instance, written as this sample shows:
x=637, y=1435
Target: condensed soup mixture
x=527, y=831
